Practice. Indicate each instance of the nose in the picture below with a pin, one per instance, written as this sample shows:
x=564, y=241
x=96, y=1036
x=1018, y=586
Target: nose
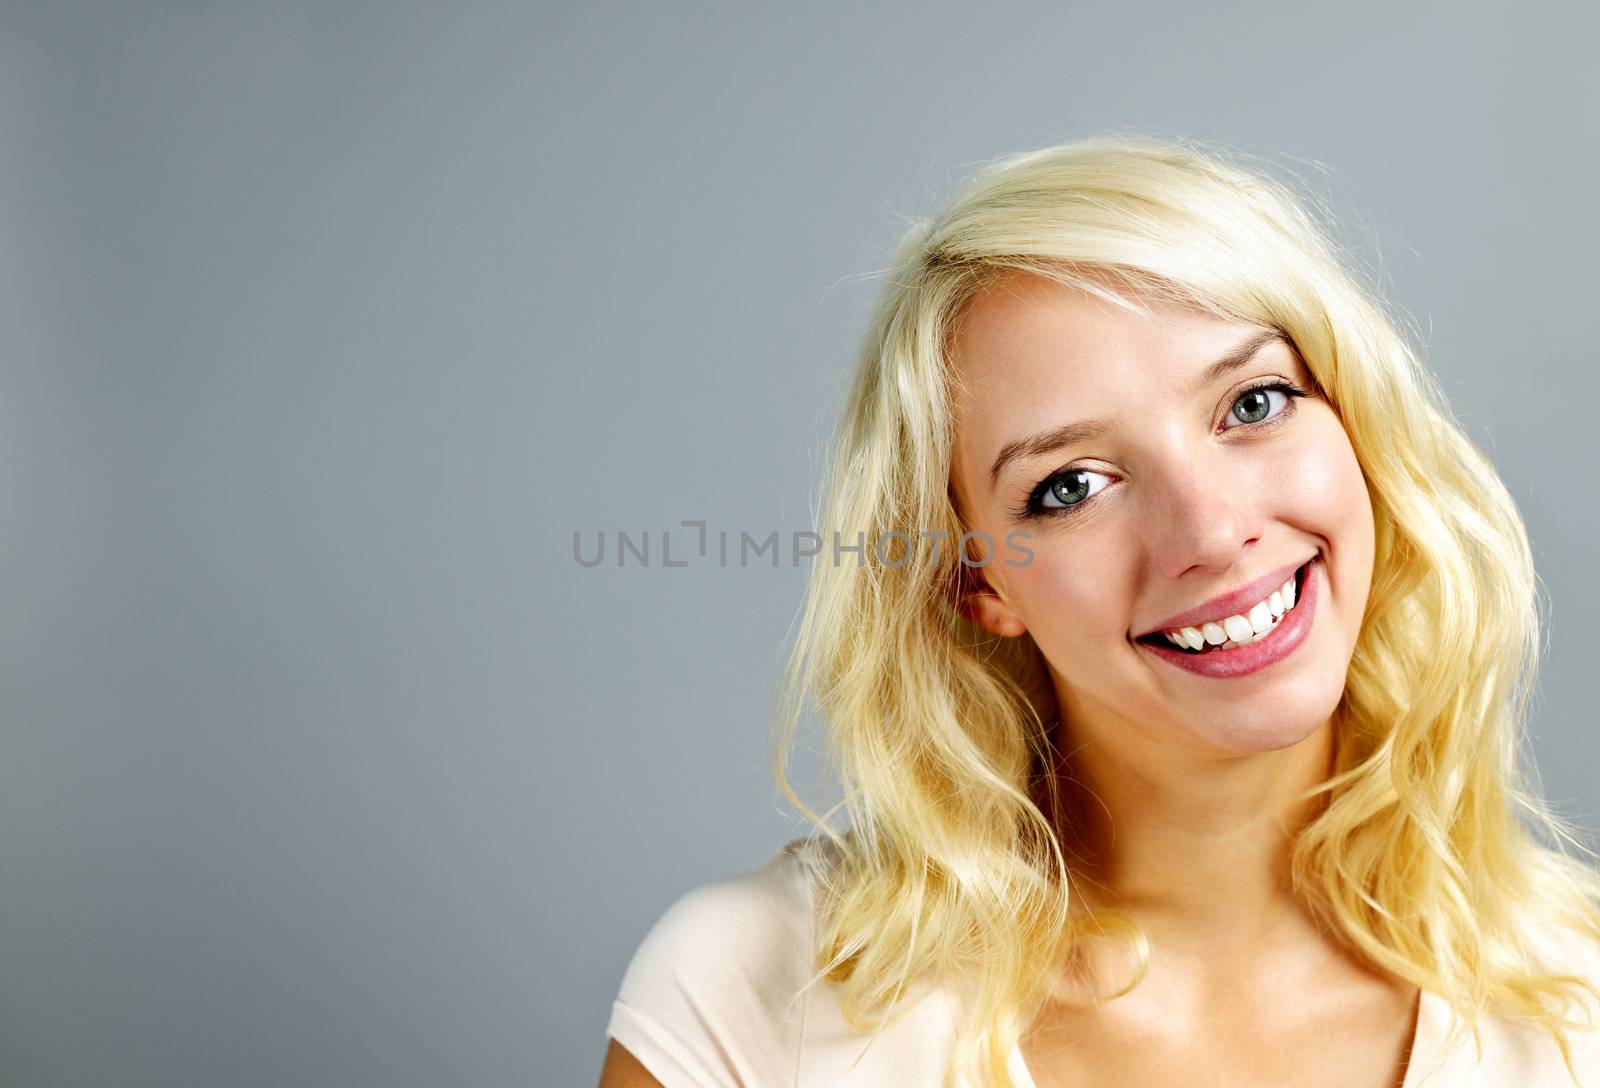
x=1204, y=513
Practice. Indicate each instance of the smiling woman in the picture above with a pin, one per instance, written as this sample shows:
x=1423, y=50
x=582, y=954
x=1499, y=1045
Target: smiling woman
x=1244, y=481
x=1222, y=783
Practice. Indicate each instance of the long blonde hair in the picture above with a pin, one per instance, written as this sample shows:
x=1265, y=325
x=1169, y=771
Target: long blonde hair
x=1425, y=856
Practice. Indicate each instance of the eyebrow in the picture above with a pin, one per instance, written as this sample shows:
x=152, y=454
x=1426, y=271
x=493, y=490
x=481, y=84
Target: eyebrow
x=1084, y=430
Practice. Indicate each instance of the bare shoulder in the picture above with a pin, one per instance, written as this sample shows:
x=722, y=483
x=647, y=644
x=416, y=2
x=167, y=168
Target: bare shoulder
x=623, y=1070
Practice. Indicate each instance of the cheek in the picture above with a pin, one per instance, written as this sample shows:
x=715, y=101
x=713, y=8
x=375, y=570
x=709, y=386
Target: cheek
x=1321, y=483
x=1070, y=593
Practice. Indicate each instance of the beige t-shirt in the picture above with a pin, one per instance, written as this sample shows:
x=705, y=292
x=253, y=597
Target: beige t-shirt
x=712, y=999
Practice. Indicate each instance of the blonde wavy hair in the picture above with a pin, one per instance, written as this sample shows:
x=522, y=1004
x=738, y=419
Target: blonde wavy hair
x=1426, y=854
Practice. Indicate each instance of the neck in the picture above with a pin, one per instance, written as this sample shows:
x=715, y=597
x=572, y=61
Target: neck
x=1195, y=847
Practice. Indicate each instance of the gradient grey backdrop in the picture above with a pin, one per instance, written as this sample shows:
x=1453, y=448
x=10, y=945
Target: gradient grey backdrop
x=324, y=327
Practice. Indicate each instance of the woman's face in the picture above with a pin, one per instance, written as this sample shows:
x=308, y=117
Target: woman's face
x=1201, y=483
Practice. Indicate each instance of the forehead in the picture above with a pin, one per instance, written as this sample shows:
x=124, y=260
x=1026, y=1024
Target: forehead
x=1030, y=353
x=1024, y=327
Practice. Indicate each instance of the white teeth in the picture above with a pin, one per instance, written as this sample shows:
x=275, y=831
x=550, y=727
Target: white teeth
x=1261, y=618
x=1260, y=621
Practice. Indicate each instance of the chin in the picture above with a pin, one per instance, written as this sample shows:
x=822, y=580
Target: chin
x=1268, y=732
x=1270, y=737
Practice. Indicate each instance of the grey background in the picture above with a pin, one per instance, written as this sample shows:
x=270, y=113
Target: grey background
x=325, y=326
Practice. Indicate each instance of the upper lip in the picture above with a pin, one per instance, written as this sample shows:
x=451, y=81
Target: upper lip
x=1234, y=602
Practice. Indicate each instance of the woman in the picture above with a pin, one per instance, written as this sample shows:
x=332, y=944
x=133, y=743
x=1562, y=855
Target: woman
x=1195, y=762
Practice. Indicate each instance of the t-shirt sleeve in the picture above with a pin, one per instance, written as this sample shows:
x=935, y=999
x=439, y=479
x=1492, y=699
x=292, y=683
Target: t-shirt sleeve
x=1531, y=1054
x=711, y=997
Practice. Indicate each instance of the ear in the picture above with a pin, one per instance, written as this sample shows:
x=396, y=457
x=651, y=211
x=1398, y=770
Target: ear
x=984, y=607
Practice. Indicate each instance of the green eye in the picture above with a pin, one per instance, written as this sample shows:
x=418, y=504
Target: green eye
x=1255, y=406
x=1069, y=496
x=1066, y=489
x=1259, y=404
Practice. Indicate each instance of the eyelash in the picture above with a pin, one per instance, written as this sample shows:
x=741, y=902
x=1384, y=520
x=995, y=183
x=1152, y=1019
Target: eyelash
x=1032, y=508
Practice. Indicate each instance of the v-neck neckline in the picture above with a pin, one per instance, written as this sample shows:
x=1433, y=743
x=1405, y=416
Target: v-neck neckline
x=1426, y=1034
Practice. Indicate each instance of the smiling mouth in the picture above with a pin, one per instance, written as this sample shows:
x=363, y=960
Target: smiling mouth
x=1159, y=639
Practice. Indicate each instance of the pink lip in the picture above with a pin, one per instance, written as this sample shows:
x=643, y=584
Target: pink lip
x=1237, y=602
x=1243, y=660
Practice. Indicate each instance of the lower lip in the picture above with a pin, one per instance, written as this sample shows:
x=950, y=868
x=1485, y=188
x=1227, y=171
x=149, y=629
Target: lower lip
x=1284, y=640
